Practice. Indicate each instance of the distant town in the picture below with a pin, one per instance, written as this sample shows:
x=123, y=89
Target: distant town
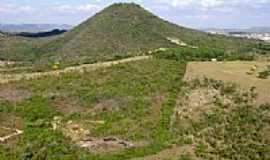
x=252, y=33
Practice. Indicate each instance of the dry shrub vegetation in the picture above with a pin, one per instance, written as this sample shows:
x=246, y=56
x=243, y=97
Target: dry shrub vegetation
x=225, y=124
x=144, y=107
x=132, y=102
x=133, y=110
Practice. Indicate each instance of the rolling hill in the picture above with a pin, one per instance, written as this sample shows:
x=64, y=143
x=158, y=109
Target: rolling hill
x=126, y=29
x=19, y=48
x=139, y=108
x=120, y=30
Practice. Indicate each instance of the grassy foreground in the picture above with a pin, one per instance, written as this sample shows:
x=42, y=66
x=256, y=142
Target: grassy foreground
x=139, y=96
x=138, y=102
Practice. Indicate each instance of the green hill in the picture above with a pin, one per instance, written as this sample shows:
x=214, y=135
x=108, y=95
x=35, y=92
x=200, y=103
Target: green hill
x=126, y=30
x=16, y=48
x=120, y=30
x=19, y=48
x=136, y=110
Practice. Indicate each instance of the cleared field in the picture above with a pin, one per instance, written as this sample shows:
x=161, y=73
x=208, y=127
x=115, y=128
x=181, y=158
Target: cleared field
x=234, y=72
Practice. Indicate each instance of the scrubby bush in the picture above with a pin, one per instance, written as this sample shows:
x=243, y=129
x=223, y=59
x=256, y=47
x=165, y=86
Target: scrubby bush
x=235, y=130
x=263, y=46
x=200, y=54
x=34, y=109
x=264, y=74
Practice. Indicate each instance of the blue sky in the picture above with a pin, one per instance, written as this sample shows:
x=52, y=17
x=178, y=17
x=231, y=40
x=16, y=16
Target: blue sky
x=190, y=13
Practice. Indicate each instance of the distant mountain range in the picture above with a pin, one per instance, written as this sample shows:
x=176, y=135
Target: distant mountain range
x=32, y=28
x=247, y=30
x=40, y=34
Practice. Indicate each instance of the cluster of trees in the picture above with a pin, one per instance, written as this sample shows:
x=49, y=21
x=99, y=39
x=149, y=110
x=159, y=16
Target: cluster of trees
x=201, y=54
x=42, y=34
x=263, y=46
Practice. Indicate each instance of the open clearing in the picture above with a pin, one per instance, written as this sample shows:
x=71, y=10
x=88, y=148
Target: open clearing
x=233, y=72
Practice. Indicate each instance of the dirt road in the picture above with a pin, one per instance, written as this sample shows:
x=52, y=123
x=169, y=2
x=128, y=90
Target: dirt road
x=5, y=78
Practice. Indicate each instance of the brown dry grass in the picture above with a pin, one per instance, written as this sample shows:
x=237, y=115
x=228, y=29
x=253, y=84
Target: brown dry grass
x=10, y=121
x=195, y=103
x=67, y=106
x=81, y=137
x=235, y=72
x=8, y=126
x=173, y=153
x=12, y=94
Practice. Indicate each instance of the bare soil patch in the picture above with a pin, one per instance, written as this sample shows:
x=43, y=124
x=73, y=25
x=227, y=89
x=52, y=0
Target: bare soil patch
x=104, y=145
x=173, y=153
x=10, y=121
x=9, y=133
x=10, y=127
x=196, y=102
x=5, y=131
x=81, y=137
x=199, y=101
x=6, y=63
x=112, y=104
x=13, y=94
x=67, y=107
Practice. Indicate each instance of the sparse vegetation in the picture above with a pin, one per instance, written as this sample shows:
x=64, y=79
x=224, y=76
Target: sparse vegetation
x=264, y=74
x=234, y=130
x=137, y=103
x=201, y=54
x=143, y=102
x=16, y=48
x=119, y=31
x=264, y=46
x=140, y=90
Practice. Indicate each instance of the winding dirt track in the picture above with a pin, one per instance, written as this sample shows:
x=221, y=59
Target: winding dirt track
x=6, y=78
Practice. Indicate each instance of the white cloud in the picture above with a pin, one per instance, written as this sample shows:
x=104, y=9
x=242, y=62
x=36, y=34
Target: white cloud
x=10, y=8
x=212, y=3
x=78, y=8
x=208, y=4
x=192, y=12
x=25, y=8
x=202, y=16
x=64, y=8
x=176, y=3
